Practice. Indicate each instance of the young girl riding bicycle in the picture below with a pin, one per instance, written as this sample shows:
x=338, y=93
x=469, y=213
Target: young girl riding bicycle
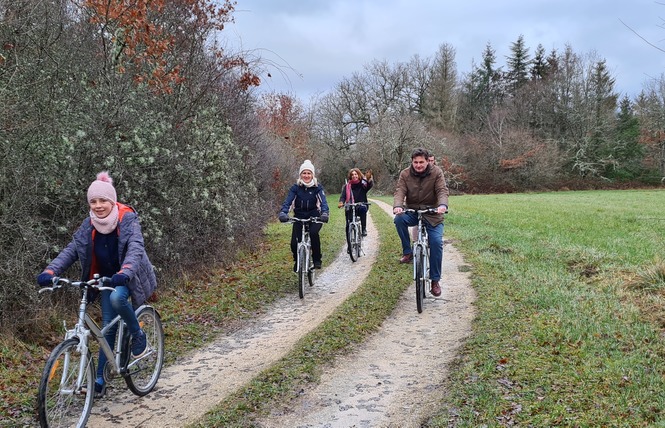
x=110, y=243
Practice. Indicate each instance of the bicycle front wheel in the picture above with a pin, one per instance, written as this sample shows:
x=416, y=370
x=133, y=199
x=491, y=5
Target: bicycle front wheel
x=311, y=272
x=353, y=241
x=66, y=389
x=142, y=374
x=303, y=270
x=359, y=242
x=419, y=260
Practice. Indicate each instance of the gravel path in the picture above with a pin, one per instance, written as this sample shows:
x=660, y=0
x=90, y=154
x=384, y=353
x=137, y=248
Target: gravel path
x=199, y=381
x=393, y=379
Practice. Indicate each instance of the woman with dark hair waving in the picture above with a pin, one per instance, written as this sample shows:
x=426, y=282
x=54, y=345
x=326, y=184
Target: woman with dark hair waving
x=354, y=191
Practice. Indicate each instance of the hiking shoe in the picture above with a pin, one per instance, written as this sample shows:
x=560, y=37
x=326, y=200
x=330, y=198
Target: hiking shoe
x=139, y=344
x=406, y=258
x=100, y=390
x=317, y=265
x=436, y=289
x=364, y=233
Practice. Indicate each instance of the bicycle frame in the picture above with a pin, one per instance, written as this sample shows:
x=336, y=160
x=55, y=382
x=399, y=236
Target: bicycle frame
x=69, y=370
x=305, y=241
x=422, y=243
x=85, y=327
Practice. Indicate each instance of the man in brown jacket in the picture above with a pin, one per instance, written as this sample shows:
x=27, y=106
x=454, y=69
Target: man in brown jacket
x=421, y=186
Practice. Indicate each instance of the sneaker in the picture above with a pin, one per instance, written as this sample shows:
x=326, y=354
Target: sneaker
x=100, y=390
x=364, y=233
x=317, y=265
x=139, y=344
x=436, y=289
x=406, y=258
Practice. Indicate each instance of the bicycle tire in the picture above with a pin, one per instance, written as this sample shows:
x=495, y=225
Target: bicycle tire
x=353, y=241
x=141, y=375
x=418, y=258
x=302, y=271
x=359, y=241
x=60, y=402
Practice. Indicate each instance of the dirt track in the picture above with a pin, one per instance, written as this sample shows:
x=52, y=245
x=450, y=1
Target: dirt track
x=393, y=380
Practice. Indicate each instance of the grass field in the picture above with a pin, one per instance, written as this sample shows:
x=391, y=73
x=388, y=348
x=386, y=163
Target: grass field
x=569, y=332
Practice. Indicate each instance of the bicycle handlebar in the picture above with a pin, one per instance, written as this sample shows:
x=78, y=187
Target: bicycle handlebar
x=346, y=204
x=426, y=210
x=96, y=283
x=304, y=220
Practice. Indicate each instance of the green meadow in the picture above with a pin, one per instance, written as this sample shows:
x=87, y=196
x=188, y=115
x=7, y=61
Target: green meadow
x=571, y=315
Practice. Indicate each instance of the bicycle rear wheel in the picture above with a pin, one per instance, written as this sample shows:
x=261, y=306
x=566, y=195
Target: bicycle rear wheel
x=303, y=271
x=61, y=401
x=353, y=241
x=142, y=374
x=419, y=260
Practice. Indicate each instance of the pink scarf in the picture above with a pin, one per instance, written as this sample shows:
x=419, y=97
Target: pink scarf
x=107, y=224
x=349, y=194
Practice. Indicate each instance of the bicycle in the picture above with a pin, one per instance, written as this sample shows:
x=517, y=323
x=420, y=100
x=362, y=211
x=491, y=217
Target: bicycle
x=304, y=261
x=354, y=237
x=66, y=388
x=421, y=258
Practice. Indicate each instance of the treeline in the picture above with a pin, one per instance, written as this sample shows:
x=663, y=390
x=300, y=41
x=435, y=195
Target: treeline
x=142, y=90
x=543, y=120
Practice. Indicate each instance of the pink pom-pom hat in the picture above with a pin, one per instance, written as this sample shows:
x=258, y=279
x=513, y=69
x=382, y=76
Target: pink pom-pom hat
x=102, y=187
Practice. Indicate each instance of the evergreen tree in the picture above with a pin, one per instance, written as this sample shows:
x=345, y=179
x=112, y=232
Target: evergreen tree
x=627, y=150
x=518, y=65
x=442, y=93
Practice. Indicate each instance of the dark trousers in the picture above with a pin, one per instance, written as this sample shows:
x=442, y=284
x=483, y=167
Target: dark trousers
x=314, y=229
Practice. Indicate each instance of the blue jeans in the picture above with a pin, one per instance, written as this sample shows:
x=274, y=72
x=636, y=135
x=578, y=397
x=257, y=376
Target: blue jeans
x=115, y=303
x=435, y=234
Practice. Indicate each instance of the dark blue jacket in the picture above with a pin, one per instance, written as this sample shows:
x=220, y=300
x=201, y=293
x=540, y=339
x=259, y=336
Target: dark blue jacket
x=307, y=201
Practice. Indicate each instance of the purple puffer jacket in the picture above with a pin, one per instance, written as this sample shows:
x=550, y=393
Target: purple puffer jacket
x=134, y=260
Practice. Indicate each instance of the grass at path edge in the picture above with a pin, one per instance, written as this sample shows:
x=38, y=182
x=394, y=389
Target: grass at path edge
x=360, y=315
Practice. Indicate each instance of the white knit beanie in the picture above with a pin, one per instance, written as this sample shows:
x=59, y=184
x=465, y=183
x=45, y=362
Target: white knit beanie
x=307, y=165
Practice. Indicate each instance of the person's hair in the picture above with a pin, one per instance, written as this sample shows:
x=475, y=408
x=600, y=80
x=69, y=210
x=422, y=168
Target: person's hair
x=419, y=152
x=360, y=174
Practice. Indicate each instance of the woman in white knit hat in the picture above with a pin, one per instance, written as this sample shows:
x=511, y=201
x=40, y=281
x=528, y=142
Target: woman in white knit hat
x=110, y=243
x=308, y=199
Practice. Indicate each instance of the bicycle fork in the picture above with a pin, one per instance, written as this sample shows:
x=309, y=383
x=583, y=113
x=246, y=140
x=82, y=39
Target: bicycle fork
x=304, y=244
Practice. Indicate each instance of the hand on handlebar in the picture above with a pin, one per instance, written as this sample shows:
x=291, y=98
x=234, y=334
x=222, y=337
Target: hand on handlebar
x=283, y=217
x=118, y=279
x=398, y=210
x=45, y=279
x=325, y=217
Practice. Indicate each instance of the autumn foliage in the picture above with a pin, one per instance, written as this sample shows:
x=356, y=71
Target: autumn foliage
x=139, y=38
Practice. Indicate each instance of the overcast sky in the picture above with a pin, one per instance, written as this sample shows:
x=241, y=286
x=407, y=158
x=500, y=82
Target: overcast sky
x=314, y=44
